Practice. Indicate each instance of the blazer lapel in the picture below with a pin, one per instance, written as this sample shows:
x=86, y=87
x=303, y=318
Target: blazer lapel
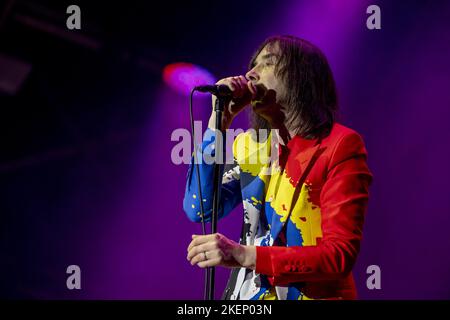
x=297, y=169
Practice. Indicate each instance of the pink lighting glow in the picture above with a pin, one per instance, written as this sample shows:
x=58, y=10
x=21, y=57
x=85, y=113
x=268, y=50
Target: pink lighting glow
x=182, y=77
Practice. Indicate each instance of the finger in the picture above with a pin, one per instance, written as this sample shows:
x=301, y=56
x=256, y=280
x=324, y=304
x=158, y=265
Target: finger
x=239, y=90
x=224, y=81
x=232, y=85
x=238, y=82
x=210, y=263
x=251, y=87
x=209, y=246
x=205, y=237
x=229, y=82
x=243, y=79
x=193, y=243
x=198, y=258
x=242, y=82
x=204, y=255
x=199, y=239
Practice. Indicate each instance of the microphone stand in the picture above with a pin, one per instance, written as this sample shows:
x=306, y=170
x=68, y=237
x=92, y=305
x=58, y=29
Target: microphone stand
x=218, y=109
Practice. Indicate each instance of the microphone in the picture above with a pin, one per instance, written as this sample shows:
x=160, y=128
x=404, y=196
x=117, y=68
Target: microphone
x=219, y=90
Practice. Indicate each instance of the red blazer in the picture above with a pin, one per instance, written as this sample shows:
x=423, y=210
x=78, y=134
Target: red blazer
x=341, y=179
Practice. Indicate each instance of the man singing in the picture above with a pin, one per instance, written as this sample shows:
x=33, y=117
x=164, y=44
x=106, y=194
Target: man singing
x=304, y=211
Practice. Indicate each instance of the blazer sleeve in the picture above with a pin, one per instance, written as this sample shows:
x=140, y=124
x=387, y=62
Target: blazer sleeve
x=230, y=188
x=343, y=201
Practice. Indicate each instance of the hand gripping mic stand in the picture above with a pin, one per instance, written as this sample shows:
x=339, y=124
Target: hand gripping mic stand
x=223, y=97
x=218, y=109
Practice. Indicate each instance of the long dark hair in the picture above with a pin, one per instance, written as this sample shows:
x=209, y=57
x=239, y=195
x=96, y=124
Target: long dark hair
x=311, y=96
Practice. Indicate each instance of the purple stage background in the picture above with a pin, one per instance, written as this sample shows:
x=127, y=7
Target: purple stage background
x=86, y=170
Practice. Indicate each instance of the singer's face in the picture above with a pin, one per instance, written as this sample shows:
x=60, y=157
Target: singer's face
x=263, y=71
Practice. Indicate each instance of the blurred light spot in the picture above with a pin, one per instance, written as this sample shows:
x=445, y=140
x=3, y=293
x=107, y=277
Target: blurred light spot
x=182, y=77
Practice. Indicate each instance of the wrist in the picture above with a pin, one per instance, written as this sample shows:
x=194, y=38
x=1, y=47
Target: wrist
x=246, y=256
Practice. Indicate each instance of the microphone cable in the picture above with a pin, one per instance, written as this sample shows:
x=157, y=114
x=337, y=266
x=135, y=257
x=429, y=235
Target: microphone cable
x=200, y=196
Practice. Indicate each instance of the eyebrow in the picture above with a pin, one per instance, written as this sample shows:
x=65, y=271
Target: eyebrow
x=265, y=57
x=268, y=55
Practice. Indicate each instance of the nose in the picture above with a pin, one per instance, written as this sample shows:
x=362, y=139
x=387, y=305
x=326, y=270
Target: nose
x=252, y=75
